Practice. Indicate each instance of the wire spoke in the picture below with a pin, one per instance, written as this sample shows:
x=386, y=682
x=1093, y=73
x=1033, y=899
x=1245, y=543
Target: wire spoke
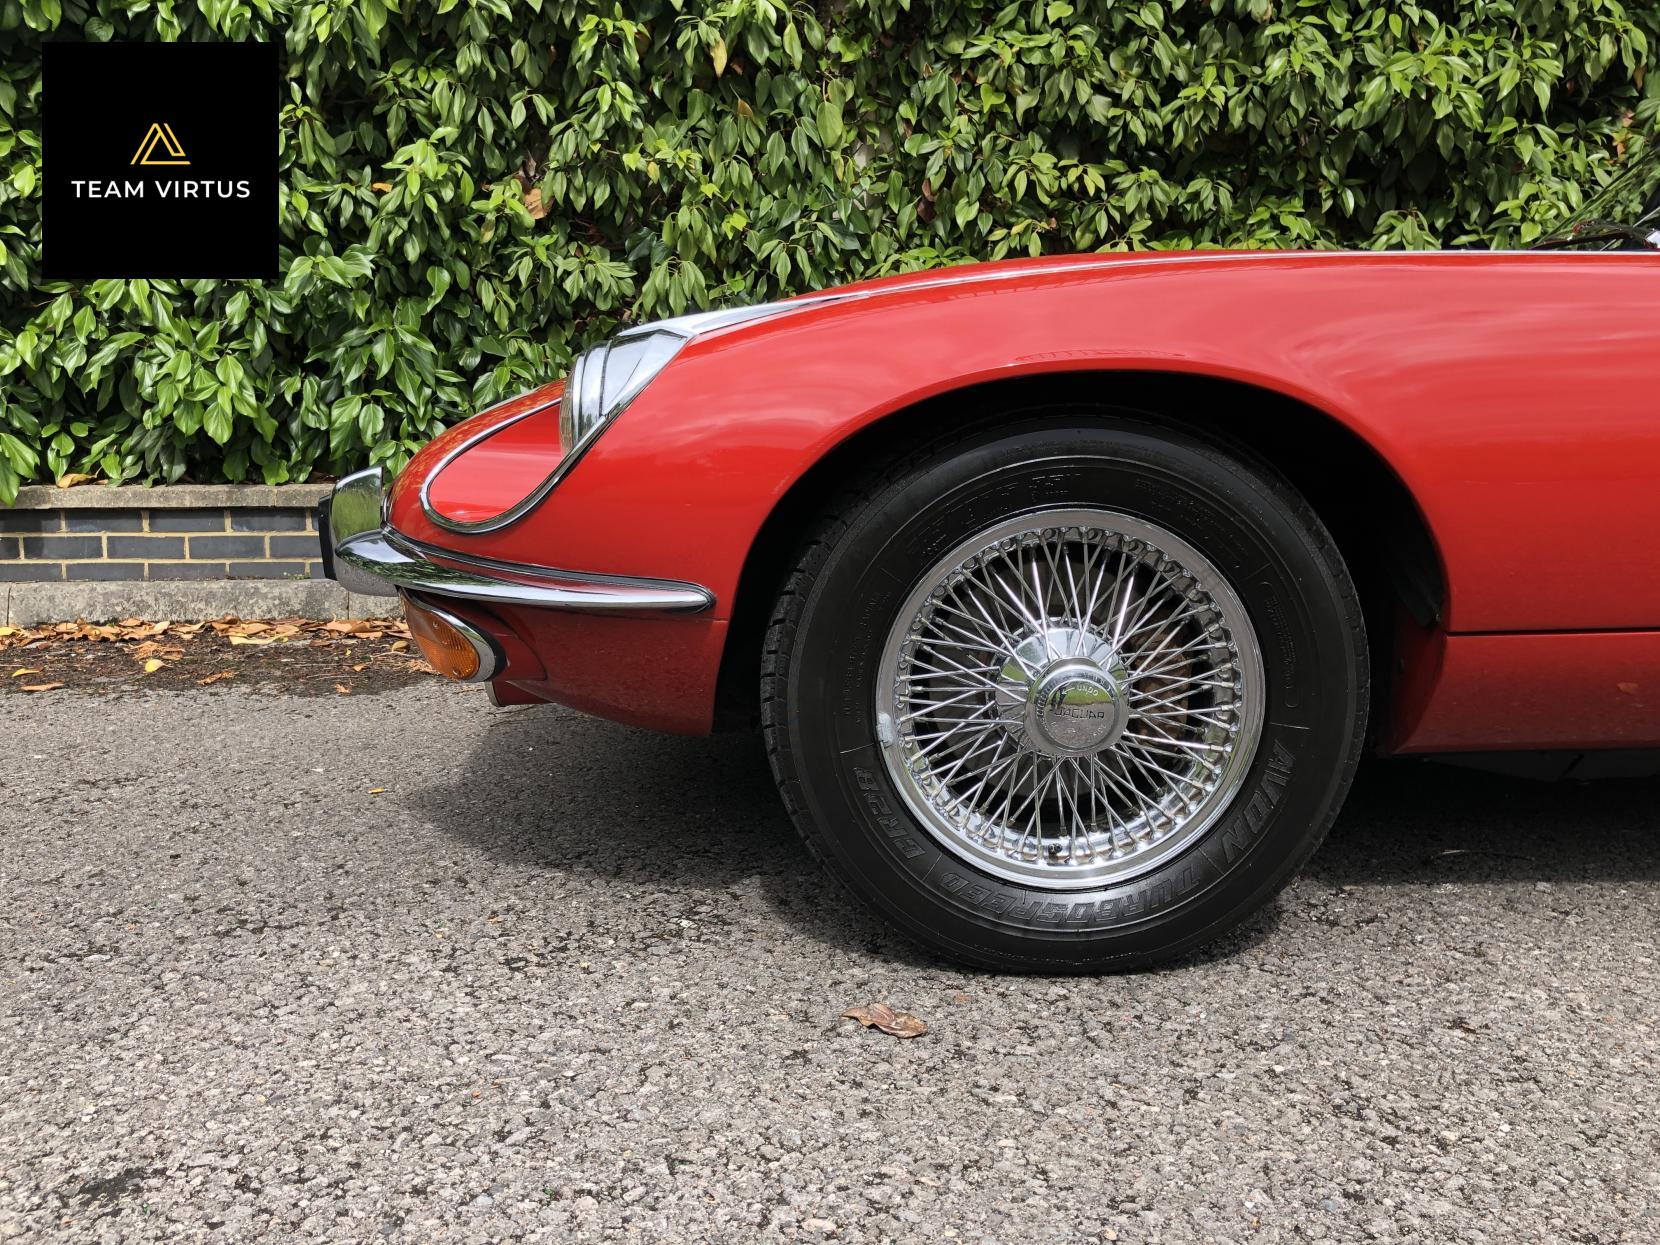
x=1069, y=695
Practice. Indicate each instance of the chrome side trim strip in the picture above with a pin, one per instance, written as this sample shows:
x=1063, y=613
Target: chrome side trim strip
x=371, y=559
x=381, y=564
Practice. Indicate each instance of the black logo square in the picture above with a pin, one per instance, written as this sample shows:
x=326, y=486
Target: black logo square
x=159, y=160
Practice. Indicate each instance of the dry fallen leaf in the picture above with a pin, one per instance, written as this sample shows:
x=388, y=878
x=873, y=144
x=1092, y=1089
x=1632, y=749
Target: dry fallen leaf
x=41, y=687
x=883, y=1017
x=72, y=478
x=138, y=639
x=533, y=204
x=382, y=187
x=342, y=689
x=215, y=678
x=377, y=790
x=153, y=665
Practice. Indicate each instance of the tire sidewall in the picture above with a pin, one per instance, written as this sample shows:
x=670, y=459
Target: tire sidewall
x=1230, y=515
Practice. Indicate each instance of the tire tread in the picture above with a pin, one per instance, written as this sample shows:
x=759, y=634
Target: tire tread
x=867, y=489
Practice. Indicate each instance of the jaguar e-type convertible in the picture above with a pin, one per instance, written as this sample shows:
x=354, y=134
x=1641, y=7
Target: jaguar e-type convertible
x=1069, y=592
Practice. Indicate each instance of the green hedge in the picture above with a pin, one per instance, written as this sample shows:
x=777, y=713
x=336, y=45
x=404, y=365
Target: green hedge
x=471, y=191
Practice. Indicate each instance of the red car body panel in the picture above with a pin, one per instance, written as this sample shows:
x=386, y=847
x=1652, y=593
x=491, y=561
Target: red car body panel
x=486, y=464
x=1559, y=690
x=1510, y=393
x=657, y=673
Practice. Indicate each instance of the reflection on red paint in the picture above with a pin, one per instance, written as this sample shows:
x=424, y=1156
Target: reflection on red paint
x=1512, y=394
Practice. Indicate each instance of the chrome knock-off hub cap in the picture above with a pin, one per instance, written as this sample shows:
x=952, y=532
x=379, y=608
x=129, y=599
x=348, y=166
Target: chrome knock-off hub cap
x=1064, y=690
x=1070, y=697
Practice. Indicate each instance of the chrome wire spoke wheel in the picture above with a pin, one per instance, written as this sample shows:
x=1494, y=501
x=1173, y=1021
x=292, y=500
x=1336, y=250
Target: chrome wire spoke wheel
x=1070, y=698
x=1044, y=735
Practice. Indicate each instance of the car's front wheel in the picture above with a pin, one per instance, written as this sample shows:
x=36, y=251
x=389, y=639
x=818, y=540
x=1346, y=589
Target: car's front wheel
x=1078, y=692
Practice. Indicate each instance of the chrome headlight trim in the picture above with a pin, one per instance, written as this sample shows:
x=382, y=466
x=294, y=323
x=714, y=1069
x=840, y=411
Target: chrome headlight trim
x=457, y=525
x=602, y=382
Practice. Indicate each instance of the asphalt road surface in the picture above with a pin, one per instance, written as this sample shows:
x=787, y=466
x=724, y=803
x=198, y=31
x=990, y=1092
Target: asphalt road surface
x=401, y=967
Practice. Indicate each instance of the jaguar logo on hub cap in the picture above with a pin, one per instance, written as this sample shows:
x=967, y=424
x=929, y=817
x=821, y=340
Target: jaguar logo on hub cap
x=1063, y=690
x=1076, y=708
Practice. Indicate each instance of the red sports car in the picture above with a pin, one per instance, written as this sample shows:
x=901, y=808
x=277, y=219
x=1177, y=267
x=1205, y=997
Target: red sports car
x=1068, y=592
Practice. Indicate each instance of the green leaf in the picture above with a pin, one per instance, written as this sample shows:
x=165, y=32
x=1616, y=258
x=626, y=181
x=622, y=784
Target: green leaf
x=686, y=156
x=830, y=123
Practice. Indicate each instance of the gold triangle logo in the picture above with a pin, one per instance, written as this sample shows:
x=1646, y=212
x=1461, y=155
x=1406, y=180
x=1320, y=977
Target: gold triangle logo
x=159, y=134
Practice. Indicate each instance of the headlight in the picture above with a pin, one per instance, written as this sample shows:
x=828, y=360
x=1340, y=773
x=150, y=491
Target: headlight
x=601, y=384
x=607, y=378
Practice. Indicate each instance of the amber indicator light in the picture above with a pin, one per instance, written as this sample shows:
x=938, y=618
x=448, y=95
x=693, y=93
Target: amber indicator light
x=445, y=648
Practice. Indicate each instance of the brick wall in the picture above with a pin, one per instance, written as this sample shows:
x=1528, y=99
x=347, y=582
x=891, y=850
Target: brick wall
x=185, y=532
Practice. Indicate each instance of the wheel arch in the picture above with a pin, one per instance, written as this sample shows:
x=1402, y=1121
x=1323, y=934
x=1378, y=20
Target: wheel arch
x=1377, y=523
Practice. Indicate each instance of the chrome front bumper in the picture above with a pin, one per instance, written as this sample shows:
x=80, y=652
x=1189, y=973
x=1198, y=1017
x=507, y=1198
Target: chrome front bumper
x=364, y=555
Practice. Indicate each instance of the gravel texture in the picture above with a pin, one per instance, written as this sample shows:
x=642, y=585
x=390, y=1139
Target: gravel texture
x=565, y=980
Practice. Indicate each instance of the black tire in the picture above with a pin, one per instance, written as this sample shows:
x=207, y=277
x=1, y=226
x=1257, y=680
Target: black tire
x=832, y=619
